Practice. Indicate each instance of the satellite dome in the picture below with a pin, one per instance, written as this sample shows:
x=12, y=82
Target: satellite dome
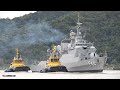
x=92, y=47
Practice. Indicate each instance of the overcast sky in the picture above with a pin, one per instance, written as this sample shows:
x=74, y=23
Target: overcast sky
x=12, y=14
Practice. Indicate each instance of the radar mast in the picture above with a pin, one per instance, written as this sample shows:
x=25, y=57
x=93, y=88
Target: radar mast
x=78, y=24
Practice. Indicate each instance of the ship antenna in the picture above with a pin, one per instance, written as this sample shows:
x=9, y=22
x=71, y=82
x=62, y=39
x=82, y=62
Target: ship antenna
x=78, y=17
x=78, y=24
x=17, y=52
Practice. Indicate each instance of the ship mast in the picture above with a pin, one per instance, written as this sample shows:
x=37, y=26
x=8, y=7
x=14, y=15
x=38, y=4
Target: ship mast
x=78, y=24
x=17, y=53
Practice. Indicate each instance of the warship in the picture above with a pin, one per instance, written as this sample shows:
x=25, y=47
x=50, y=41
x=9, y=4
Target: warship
x=77, y=54
x=80, y=55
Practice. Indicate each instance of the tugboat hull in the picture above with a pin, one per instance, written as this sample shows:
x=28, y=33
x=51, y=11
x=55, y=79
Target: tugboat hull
x=18, y=69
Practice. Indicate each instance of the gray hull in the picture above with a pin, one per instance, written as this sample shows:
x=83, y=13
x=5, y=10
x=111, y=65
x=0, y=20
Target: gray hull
x=86, y=68
x=37, y=68
x=85, y=65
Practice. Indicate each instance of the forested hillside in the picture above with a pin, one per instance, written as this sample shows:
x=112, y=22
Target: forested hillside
x=32, y=34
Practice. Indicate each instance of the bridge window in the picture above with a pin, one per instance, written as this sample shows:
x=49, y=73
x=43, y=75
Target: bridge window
x=18, y=61
x=54, y=60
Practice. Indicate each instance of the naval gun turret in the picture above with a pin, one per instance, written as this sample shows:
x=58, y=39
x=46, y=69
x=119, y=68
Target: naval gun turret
x=18, y=64
x=53, y=64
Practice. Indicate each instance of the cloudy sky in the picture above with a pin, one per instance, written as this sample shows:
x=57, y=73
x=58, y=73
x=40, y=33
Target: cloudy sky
x=12, y=14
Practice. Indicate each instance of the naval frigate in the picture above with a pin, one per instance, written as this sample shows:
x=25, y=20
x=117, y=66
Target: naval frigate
x=77, y=54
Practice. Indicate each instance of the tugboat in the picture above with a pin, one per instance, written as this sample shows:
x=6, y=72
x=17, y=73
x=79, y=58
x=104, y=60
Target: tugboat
x=18, y=64
x=53, y=64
